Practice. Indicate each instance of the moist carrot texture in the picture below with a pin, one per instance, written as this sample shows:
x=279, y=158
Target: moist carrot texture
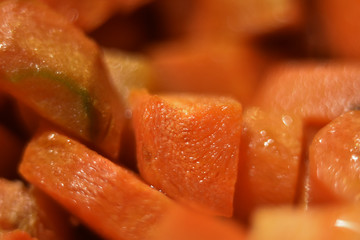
x=109, y=199
x=58, y=73
x=270, y=159
x=319, y=92
x=188, y=147
x=334, y=160
x=106, y=197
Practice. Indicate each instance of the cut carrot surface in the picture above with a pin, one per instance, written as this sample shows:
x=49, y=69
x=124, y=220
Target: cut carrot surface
x=226, y=68
x=188, y=147
x=319, y=92
x=334, y=159
x=269, y=160
x=107, y=198
x=59, y=73
x=322, y=223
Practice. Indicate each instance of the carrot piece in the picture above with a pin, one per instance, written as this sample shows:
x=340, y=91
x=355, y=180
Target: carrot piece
x=321, y=223
x=11, y=148
x=109, y=199
x=16, y=235
x=269, y=160
x=225, y=68
x=334, y=160
x=319, y=92
x=52, y=67
x=188, y=147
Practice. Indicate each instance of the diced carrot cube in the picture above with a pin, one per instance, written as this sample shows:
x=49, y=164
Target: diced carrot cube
x=319, y=92
x=52, y=67
x=188, y=147
x=270, y=159
x=334, y=160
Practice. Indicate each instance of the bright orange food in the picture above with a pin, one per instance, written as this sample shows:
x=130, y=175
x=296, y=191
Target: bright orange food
x=270, y=159
x=188, y=147
x=334, y=160
x=108, y=198
x=319, y=92
x=58, y=73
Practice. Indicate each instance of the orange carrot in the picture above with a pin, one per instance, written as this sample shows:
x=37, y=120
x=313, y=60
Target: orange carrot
x=319, y=92
x=269, y=161
x=57, y=71
x=188, y=147
x=334, y=160
x=109, y=199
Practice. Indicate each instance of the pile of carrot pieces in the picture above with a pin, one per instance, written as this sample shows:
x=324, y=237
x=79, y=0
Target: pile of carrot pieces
x=182, y=119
